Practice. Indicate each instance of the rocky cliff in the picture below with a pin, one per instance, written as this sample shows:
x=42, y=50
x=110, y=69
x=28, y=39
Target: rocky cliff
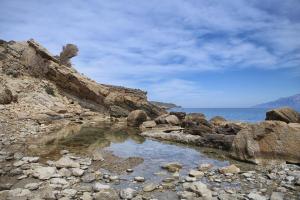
x=38, y=78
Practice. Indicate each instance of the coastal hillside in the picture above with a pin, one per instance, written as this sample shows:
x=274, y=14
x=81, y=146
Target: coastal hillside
x=41, y=84
x=291, y=101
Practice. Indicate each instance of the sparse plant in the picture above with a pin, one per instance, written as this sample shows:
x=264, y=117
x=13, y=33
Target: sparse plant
x=68, y=52
x=49, y=90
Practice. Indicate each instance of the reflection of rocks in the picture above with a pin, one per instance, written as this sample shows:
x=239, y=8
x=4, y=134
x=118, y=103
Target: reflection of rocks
x=285, y=114
x=269, y=140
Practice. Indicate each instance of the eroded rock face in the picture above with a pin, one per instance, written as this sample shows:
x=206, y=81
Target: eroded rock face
x=136, y=118
x=269, y=140
x=285, y=114
x=31, y=59
x=6, y=96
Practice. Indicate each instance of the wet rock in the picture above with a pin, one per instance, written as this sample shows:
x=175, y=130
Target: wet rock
x=277, y=196
x=196, y=173
x=229, y=169
x=97, y=156
x=284, y=114
x=128, y=193
x=205, y=167
x=199, y=188
x=139, y=179
x=44, y=173
x=129, y=170
x=267, y=141
x=67, y=163
x=106, y=194
x=190, y=179
x=136, y=118
x=149, y=187
x=172, y=167
x=99, y=186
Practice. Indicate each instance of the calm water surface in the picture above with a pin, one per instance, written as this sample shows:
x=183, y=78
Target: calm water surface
x=235, y=114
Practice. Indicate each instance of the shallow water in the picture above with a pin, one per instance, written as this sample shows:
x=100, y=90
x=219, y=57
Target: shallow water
x=126, y=143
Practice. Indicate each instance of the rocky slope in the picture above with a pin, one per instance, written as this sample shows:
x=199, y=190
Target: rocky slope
x=26, y=68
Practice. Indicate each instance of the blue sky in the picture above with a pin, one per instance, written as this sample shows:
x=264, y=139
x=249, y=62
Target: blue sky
x=196, y=53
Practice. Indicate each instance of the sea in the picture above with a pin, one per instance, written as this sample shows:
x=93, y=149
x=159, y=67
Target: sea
x=251, y=115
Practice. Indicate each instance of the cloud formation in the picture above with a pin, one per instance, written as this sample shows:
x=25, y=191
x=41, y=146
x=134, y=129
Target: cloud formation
x=156, y=44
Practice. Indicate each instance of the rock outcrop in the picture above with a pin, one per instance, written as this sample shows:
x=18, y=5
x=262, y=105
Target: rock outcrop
x=284, y=114
x=268, y=141
x=30, y=59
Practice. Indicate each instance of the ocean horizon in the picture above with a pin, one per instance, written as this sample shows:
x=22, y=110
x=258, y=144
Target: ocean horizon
x=251, y=115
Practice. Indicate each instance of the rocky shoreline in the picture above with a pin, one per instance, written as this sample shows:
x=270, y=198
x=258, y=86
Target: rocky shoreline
x=40, y=96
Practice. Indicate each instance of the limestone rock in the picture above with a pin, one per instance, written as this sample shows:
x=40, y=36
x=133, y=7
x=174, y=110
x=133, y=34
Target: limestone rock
x=199, y=188
x=269, y=140
x=44, y=173
x=232, y=169
x=284, y=114
x=128, y=193
x=172, y=167
x=173, y=120
x=136, y=118
x=67, y=163
x=106, y=194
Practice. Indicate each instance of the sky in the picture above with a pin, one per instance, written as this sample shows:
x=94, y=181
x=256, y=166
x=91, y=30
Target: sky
x=195, y=53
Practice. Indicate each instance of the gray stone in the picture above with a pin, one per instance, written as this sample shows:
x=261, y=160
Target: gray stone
x=149, y=187
x=256, y=196
x=199, y=188
x=277, y=196
x=106, y=194
x=128, y=193
x=67, y=163
x=99, y=186
x=44, y=173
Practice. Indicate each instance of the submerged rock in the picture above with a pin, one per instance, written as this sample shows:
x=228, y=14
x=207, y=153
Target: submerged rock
x=172, y=167
x=67, y=163
x=128, y=193
x=106, y=194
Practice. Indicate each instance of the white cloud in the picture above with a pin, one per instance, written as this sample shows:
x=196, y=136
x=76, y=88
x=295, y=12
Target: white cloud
x=135, y=42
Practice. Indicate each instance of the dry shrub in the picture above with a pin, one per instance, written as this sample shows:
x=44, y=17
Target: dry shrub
x=68, y=52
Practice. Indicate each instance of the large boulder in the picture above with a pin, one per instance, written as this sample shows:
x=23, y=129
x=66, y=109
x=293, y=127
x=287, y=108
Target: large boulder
x=217, y=120
x=136, y=118
x=172, y=120
x=196, y=124
x=179, y=115
x=6, y=96
x=268, y=141
x=284, y=114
